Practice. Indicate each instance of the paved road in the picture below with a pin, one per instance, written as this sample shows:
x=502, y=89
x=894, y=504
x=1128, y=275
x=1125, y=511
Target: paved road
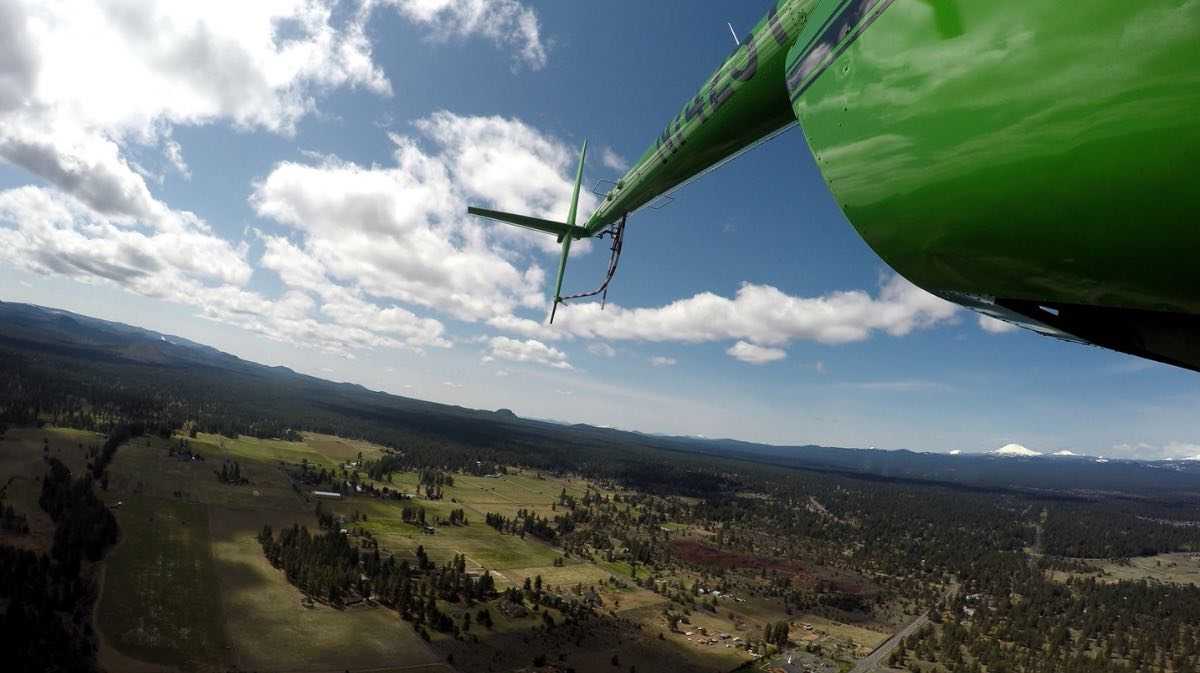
x=871, y=663
x=411, y=668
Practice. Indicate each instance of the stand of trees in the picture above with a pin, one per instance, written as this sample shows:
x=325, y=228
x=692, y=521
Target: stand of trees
x=45, y=625
x=1104, y=530
x=13, y=522
x=329, y=568
x=83, y=526
x=231, y=473
x=527, y=522
x=46, y=621
x=776, y=633
x=1080, y=626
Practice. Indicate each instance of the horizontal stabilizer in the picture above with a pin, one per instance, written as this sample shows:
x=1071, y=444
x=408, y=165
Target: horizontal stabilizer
x=559, y=229
x=565, y=231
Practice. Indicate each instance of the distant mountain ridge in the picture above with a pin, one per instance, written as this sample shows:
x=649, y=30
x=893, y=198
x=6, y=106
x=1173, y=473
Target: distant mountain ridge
x=27, y=329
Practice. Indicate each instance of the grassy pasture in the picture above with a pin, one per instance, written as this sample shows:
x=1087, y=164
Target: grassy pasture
x=1179, y=568
x=483, y=545
x=564, y=577
x=1183, y=568
x=517, y=487
x=21, y=445
x=158, y=603
x=144, y=466
x=319, y=450
x=865, y=640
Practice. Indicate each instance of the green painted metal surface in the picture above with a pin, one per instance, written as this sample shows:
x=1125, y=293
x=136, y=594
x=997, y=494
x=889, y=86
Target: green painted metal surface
x=742, y=102
x=1024, y=149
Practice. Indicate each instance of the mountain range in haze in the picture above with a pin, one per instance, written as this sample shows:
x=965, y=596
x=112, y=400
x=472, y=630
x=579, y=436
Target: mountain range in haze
x=33, y=331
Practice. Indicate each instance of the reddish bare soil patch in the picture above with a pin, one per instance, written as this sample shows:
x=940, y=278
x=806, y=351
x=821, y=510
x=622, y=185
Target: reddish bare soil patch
x=693, y=551
x=822, y=579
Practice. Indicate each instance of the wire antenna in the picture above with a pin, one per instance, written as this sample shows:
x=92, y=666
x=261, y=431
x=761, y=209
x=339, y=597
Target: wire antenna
x=618, y=241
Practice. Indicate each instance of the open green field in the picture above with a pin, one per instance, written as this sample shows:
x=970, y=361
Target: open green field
x=1180, y=568
x=514, y=491
x=564, y=577
x=319, y=450
x=145, y=466
x=158, y=604
x=483, y=545
x=477, y=496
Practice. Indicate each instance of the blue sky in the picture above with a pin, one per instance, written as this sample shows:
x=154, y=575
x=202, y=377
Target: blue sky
x=286, y=181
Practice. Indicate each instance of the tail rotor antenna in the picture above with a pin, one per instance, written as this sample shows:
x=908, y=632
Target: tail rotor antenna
x=618, y=242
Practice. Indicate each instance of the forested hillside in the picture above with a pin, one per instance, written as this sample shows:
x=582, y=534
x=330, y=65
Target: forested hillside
x=82, y=372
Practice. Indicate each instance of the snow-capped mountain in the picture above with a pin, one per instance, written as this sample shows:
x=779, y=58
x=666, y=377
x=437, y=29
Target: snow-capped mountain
x=1016, y=451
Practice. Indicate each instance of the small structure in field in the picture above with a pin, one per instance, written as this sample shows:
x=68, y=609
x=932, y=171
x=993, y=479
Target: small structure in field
x=327, y=494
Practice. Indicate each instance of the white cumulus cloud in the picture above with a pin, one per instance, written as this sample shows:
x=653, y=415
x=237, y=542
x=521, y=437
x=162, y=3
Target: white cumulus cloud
x=45, y=231
x=530, y=350
x=174, y=155
x=756, y=355
x=86, y=86
x=401, y=233
x=601, y=349
x=1172, y=450
x=663, y=361
x=611, y=159
x=995, y=326
x=83, y=80
x=765, y=316
x=505, y=22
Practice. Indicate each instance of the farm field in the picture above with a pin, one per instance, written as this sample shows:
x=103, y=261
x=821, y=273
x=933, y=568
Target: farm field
x=319, y=450
x=565, y=576
x=514, y=491
x=145, y=466
x=158, y=604
x=1180, y=568
x=483, y=545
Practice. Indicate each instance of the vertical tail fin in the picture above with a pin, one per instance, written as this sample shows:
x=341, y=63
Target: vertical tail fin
x=566, y=240
x=565, y=231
